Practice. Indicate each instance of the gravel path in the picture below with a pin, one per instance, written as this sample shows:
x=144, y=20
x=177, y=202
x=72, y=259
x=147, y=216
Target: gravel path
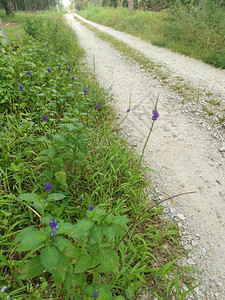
x=181, y=149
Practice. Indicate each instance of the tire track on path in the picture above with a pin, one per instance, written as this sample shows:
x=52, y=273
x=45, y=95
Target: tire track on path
x=183, y=153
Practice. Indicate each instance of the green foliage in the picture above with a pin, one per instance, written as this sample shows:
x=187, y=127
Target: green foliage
x=88, y=251
x=197, y=31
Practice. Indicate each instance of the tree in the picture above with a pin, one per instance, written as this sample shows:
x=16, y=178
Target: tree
x=6, y=5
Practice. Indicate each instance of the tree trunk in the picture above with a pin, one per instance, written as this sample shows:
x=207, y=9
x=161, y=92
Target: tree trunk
x=6, y=6
x=130, y=4
x=120, y=3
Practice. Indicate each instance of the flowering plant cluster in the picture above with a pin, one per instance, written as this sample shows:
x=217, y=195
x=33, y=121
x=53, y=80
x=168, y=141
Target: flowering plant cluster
x=88, y=243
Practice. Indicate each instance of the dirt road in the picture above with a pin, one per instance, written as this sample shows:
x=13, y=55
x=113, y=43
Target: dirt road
x=184, y=153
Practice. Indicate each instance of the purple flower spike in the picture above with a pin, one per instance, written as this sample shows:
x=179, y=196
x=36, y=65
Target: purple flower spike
x=73, y=78
x=91, y=207
x=21, y=87
x=75, y=83
x=85, y=91
x=96, y=106
x=128, y=110
x=44, y=117
x=154, y=115
x=54, y=227
x=49, y=70
x=29, y=73
x=47, y=44
x=95, y=295
x=48, y=186
x=69, y=69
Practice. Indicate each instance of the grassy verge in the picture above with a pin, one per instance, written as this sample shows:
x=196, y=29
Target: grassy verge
x=197, y=31
x=74, y=222
x=212, y=106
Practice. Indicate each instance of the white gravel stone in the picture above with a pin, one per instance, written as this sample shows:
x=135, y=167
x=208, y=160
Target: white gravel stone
x=180, y=217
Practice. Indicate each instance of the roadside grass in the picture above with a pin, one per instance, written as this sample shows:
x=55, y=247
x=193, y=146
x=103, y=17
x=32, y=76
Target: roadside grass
x=13, y=24
x=14, y=32
x=146, y=25
x=185, y=90
x=62, y=159
x=197, y=31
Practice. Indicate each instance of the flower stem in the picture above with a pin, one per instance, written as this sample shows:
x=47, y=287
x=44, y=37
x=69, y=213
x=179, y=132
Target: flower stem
x=150, y=131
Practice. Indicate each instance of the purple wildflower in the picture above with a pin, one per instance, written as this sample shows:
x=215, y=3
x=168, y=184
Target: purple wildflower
x=91, y=207
x=69, y=69
x=154, y=115
x=49, y=70
x=85, y=91
x=21, y=87
x=3, y=288
x=75, y=83
x=73, y=78
x=29, y=73
x=48, y=186
x=64, y=50
x=44, y=117
x=47, y=44
x=96, y=106
x=128, y=110
x=95, y=295
x=54, y=227
x=46, y=61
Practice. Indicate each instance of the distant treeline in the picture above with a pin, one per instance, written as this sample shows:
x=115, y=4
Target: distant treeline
x=13, y=5
x=154, y=5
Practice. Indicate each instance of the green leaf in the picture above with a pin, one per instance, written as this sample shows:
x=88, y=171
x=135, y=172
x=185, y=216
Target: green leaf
x=65, y=246
x=26, y=231
x=61, y=267
x=83, y=263
x=65, y=228
x=121, y=220
x=31, y=240
x=49, y=257
x=109, y=232
x=30, y=197
x=103, y=295
x=163, y=270
x=84, y=225
x=109, y=259
x=32, y=268
x=96, y=234
x=72, y=280
x=46, y=219
x=61, y=177
x=55, y=197
x=59, y=137
x=129, y=292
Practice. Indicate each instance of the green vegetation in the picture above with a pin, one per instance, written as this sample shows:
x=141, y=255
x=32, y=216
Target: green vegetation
x=195, y=30
x=13, y=24
x=74, y=216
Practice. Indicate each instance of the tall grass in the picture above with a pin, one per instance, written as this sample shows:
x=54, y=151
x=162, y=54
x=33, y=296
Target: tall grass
x=197, y=31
